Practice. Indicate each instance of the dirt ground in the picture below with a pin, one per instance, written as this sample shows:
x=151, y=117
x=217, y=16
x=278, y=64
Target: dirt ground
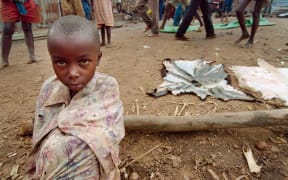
x=183, y=155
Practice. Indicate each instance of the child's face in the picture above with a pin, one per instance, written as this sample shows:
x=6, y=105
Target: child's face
x=74, y=60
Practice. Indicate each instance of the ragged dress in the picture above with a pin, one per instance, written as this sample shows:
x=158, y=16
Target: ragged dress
x=77, y=138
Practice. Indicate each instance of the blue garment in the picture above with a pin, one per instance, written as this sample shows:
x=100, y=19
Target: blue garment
x=228, y=6
x=191, y=12
x=21, y=8
x=87, y=9
x=161, y=8
x=178, y=14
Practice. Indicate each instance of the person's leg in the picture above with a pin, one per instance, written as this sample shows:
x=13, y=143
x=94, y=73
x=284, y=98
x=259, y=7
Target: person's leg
x=168, y=8
x=188, y=16
x=241, y=19
x=256, y=15
x=154, y=4
x=141, y=9
x=200, y=22
x=29, y=40
x=204, y=6
x=108, y=32
x=161, y=8
x=199, y=19
x=8, y=31
x=178, y=14
x=78, y=8
x=102, y=31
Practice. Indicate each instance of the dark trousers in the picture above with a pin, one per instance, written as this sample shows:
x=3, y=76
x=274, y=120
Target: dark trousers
x=191, y=12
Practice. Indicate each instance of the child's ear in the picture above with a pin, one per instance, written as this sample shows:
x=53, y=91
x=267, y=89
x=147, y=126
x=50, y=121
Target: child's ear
x=99, y=58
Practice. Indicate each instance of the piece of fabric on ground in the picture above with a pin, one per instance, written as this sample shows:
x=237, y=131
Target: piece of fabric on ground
x=198, y=77
x=271, y=82
x=219, y=26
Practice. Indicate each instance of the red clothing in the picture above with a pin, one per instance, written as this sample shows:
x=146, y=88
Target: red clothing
x=9, y=12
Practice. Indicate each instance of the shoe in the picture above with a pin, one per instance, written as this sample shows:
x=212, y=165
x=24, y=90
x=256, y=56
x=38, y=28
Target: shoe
x=181, y=38
x=210, y=36
x=152, y=35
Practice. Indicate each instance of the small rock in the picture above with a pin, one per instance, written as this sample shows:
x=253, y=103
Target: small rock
x=134, y=176
x=275, y=149
x=176, y=161
x=26, y=130
x=262, y=146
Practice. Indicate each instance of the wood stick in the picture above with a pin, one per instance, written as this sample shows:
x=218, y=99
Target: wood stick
x=141, y=156
x=150, y=123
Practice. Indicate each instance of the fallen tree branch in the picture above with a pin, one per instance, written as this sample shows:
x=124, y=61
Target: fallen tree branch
x=277, y=117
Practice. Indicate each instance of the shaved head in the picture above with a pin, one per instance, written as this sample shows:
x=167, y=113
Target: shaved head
x=72, y=26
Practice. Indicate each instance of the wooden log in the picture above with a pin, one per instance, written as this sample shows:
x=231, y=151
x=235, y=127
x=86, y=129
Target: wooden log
x=207, y=122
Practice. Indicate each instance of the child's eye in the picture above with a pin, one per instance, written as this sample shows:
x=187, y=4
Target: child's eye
x=84, y=61
x=61, y=63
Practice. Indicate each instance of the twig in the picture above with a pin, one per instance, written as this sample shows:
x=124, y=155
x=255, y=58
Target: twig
x=183, y=107
x=142, y=90
x=184, y=104
x=141, y=156
x=225, y=176
x=137, y=107
x=213, y=174
x=241, y=177
x=176, y=110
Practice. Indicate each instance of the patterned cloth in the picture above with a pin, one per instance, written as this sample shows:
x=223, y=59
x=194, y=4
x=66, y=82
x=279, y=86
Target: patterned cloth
x=10, y=13
x=103, y=13
x=77, y=138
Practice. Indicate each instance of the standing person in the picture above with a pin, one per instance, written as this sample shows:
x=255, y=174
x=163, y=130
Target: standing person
x=87, y=9
x=12, y=11
x=151, y=24
x=227, y=8
x=188, y=16
x=78, y=121
x=72, y=7
x=241, y=19
x=104, y=19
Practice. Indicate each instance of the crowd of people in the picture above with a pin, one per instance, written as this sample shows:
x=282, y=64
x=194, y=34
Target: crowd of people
x=78, y=121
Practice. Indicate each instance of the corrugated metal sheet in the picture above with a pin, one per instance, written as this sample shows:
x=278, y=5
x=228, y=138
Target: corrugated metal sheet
x=279, y=6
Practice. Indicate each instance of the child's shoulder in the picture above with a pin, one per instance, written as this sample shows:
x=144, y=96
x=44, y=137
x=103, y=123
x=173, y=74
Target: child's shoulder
x=105, y=79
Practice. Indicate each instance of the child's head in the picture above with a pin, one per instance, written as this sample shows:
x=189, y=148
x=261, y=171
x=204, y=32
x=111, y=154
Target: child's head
x=74, y=48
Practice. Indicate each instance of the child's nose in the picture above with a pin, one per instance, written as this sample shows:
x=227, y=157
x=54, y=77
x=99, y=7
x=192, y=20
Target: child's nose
x=73, y=72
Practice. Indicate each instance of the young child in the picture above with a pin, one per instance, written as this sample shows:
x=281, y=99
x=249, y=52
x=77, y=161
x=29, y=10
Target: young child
x=241, y=19
x=78, y=120
x=104, y=18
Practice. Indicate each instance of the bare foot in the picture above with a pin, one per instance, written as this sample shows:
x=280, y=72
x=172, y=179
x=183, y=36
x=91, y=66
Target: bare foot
x=33, y=59
x=244, y=36
x=102, y=44
x=249, y=44
x=109, y=45
x=147, y=28
x=3, y=65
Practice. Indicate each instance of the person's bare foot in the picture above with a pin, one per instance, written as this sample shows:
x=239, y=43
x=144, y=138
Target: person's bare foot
x=33, y=59
x=152, y=35
x=109, y=45
x=248, y=45
x=147, y=28
x=244, y=36
x=3, y=65
x=102, y=44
